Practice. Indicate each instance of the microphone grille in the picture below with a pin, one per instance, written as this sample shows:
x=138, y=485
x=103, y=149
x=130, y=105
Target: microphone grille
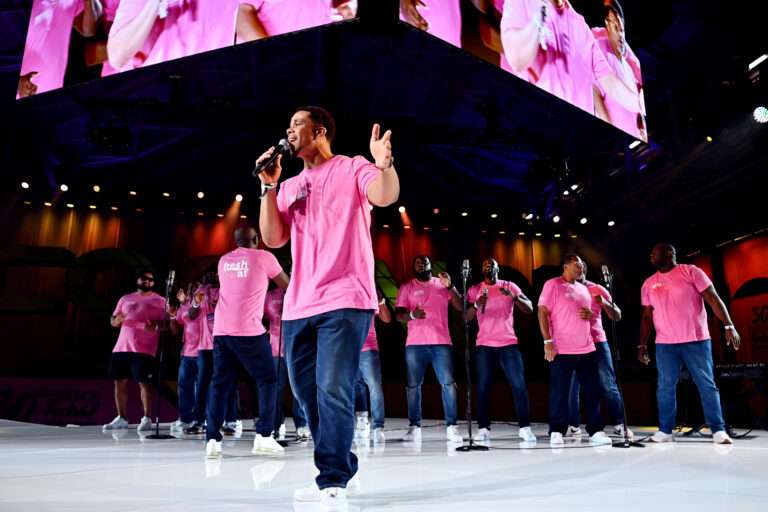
x=284, y=144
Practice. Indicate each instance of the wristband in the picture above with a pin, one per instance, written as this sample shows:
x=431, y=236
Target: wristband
x=548, y=342
x=730, y=327
x=410, y=314
x=266, y=187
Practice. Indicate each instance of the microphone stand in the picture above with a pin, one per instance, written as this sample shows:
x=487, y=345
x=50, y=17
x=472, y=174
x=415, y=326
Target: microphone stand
x=279, y=394
x=471, y=446
x=161, y=358
x=626, y=442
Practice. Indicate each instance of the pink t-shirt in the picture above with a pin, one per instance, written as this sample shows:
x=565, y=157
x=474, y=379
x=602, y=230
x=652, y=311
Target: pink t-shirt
x=110, y=9
x=244, y=276
x=572, y=61
x=138, y=309
x=371, y=342
x=433, y=298
x=497, y=322
x=283, y=16
x=273, y=311
x=193, y=330
x=444, y=19
x=208, y=313
x=596, y=324
x=327, y=211
x=630, y=75
x=678, y=307
x=570, y=334
x=47, y=46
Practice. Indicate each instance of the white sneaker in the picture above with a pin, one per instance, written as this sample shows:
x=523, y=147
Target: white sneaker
x=179, y=426
x=145, y=424
x=721, y=437
x=212, y=449
x=527, y=435
x=619, y=431
x=378, y=436
x=116, y=424
x=452, y=434
x=662, y=437
x=303, y=434
x=599, y=438
x=281, y=432
x=362, y=425
x=353, y=486
x=266, y=444
x=483, y=435
x=334, y=498
x=556, y=439
x=413, y=434
x=573, y=432
x=307, y=494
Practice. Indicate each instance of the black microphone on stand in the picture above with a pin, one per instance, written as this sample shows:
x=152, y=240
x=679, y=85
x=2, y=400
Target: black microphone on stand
x=607, y=277
x=283, y=148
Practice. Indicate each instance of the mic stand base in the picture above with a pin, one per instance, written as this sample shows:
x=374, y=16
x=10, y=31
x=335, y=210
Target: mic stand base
x=626, y=443
x=471, y=447
x=160, y=436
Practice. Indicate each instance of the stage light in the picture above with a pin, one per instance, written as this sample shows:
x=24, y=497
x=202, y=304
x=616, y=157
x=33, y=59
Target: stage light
x=27, y=203
x=96, y=188
x=761, y=115
x=556, y=219
x=521, y=233
x=557, y=235
x=92, y=206
x=70, y=205
x=113, y=208
x=634, y=144
x=445, y=229
x=220, y=215
x=611, y=223
x=529, y=216
x=200, y=195
x=385, y=226
x=436, y=211
x=24, y=185
x=48, y=204
x=132, y=192
x=757, y=62
x=401, y=209
x=583, y=220
x=166, y=194
x=243, y=216
x=464, y=214
x=566, y=193
x=63, y=187
x=574, y=236
x=200, y=214
x=407, y=226
x=709, y=139
x=139, y=210
x=538, y=234
x=502, y=232
x=239, y=198
x=484, y=231
x=574, y=186
x=494, y=215
x=426, y=228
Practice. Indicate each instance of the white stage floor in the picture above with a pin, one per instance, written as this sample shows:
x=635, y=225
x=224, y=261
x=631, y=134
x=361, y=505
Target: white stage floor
x=81, y=469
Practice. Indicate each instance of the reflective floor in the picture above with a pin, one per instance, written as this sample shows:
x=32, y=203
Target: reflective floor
x=82, y=469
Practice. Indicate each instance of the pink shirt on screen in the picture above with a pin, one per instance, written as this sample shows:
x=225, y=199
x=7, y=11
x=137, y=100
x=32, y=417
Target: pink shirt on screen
x=620, y=116
x=444, y=19
x=138, y=309
x=244, y=276
x=193, y=330
x=678, y=307
x=596, y=324
x=570, y=333
x=433, y=298
x=283, y=16
x=273, y=312
x=497, y=322
x=572, y=61
x=327, y=211
x=47, y=45
x=110, y=9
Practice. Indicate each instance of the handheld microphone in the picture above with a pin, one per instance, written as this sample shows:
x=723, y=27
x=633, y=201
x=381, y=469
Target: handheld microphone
x=485, y=292
x=283, y=148
x=169, y=284
x=465, y=269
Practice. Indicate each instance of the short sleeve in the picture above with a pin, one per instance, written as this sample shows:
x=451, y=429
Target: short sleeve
x=283, y=202
x=365, y=172
x=645, y=298
x=516, y=14
x=403, y=297
x=271, y=265
x=125, y=13
x=699, y=279
x=547, y=297
x=119, y=307
x=472, y=293
x=513, y=288
x=600, y=66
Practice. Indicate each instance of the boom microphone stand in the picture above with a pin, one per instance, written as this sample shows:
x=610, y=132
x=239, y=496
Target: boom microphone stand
x=465, y=269
x=161, y=357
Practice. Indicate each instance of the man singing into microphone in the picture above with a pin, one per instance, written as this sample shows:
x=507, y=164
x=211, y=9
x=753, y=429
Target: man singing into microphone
x=601, y=301
x=565, y=316
x=239, y=336
x=325, y=212
x=493, y=303
x=673, y=305
x=423, y=304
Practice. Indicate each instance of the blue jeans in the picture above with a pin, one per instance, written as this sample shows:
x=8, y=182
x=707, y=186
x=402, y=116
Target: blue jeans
x=417, y=358
x=369, y=379
x=511, y=362
x=187, y=384
x=610, y=391
x=255, y=354
x=205, y=367
x=299, y=418
x=697, y=358
x=561, y=372
x=323, y=356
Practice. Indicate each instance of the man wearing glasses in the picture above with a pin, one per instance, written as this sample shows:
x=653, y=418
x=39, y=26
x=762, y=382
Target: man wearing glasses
x=138, y=315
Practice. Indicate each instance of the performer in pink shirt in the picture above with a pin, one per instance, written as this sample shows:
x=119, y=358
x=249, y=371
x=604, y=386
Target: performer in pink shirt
x=494, y=302
x=548, y=43
x=565, y=316
x=325, y=212
x=626, y=66
x=441, y=18
x=46, y=51
x=192, y=332
x=139, y=316
x=257, y=19
x=673, y=305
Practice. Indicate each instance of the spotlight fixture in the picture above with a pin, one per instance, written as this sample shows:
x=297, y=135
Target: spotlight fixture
x=92, y=206
x=113, y=208
x=239, y=198
x=502, y=232
x=634, y=144
x=583, y=220
x=757, y=62
x=407, y=226
x=48, y=203
x=243, y=216
x=521, y=233
x=385, y=226
x=220, y=215
x=538, y=234
x=494, y=215
x=27, y=203
x=200, y=195
x=401, y=209
x=556, y=219
x=166, y=194
x=63, y=187
x=426, y=228
x=436, y=211
x=761, y=115
x=24, y=185
x=132, y=192
x=464, y=214
x=557, y=235
x=566, y=193
x=611, y=223
x=96, y=188
x=709, y=138
x=574, y=186
x=70, y=205
x=200, y=214
x=529, y=216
